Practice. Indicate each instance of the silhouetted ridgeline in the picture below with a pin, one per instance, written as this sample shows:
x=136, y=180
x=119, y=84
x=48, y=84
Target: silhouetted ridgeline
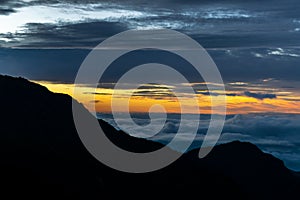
x=43, y=157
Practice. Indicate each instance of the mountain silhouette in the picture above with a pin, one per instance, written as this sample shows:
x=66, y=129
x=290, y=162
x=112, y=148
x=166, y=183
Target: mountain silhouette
x=43, y=157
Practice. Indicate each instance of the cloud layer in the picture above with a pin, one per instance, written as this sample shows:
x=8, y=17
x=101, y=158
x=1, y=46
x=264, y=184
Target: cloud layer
x=277, y=134
x=243, y=37
x=216, y=23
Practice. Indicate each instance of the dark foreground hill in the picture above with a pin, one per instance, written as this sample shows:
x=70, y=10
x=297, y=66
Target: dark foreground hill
x=43, y=157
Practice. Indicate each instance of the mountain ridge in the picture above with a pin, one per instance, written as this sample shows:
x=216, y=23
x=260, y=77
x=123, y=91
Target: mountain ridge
x=42, y=154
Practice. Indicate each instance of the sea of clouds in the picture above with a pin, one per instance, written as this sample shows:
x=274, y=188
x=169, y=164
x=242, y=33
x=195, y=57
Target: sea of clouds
x=278, y=134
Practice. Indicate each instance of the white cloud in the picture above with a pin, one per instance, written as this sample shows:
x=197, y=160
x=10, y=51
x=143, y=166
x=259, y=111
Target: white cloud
x=282, y=52
x=218, y=13
x=238, y=83
x=226, y=14
x=64, y=13
x=258, y=55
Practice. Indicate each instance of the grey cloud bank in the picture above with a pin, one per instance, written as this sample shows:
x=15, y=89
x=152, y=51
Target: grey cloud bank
x=277, y=134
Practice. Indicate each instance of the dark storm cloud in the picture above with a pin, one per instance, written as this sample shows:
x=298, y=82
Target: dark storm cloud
x=260, y=96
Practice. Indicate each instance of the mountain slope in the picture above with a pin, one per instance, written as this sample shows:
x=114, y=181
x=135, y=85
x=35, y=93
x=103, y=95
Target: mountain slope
x=43, y=157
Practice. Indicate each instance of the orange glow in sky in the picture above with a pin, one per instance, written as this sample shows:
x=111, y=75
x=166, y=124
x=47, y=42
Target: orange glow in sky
x=236, y=104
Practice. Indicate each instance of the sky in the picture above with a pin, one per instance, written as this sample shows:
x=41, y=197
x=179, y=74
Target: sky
x=255, y=45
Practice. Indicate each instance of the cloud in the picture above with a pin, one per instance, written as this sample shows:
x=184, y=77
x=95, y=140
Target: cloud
x=6, y=11
x=155, y=91
x=80, y=35
x=96, y=101
x=239, y=83
x=277, y=134
x=256, y=95
x=249, y=40
x=22, y=21
x=260, y=96
x=154, y=86
x=9, y=6
x=97, y=93
x=154, y=95
x=106, y=85
x=226, y=14
x=206, y=93
x=227, y=24
x=282, y=52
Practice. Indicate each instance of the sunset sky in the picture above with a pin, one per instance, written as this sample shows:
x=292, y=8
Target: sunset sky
x=254, y=44
x=241, y=98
